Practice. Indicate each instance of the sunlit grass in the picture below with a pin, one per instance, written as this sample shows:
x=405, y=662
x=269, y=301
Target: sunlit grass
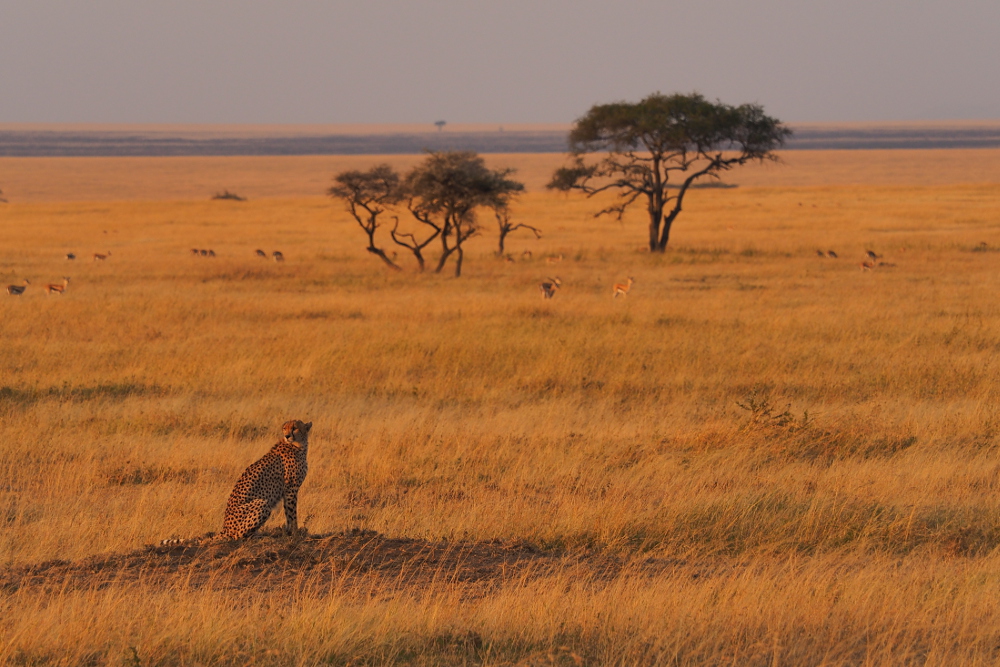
x=814, y=447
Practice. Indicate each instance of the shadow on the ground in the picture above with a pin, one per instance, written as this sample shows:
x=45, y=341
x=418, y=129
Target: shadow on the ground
x=352, y=560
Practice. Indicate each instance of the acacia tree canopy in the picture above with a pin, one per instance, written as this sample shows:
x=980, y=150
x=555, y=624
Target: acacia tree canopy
x=444, y=192
x=640, y=148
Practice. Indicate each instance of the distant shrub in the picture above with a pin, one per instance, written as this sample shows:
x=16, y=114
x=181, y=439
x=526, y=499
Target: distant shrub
x=226, y=194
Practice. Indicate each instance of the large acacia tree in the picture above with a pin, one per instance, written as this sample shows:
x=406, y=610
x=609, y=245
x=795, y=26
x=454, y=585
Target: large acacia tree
x=656, y=149
x=446, y=189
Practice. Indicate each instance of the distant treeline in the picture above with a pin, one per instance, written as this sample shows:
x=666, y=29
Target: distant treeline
x=35, y=143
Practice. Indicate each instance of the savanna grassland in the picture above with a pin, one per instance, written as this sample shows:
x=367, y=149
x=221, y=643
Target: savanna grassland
x=758, y=457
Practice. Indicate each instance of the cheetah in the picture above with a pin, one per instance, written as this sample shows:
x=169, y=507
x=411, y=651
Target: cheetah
x=276, y=476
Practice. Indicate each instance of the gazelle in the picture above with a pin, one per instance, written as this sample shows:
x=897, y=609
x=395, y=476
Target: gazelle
x=623, y=288
x=99, y=256
x=18, y=290
x=278, y=257
x=211, y=253
x=872, y=256
x=70, y=255
x=57, y=288
x=549, y=287
x=867, y=266
x=261, y=253
x=195, y=251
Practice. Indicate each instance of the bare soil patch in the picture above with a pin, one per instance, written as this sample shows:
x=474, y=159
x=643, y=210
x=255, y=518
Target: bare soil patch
x=271, y=561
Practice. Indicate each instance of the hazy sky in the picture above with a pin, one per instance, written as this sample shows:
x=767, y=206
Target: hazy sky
x=389, y=61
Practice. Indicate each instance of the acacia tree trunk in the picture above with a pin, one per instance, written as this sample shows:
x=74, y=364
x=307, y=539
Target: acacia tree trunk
x=381, y=253
x=654, y=231
x=446, y=230
x=444, y=260
x=458, y=263
x=655, y=215
x=414, y=245
x=370, y=227
x=668, y=219
x=668, y=222
x=420, y=258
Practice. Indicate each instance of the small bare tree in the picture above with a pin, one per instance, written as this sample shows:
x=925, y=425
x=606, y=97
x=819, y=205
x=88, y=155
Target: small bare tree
x=367, y=195
x=502, y=213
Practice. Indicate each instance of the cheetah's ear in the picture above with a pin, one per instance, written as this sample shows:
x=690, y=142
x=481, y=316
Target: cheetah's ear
x=308, y=426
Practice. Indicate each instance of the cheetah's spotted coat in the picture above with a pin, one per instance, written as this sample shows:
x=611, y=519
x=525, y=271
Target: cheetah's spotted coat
x=276, y=476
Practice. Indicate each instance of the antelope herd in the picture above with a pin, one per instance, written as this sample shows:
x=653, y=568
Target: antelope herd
x=871, y=261
x=548, y=287
x=277, y=255
x=60, y=288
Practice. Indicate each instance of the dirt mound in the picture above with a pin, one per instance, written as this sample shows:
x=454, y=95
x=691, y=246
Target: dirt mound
x=332, y=561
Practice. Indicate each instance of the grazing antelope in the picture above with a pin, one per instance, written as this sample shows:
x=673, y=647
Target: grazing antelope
x=203, y=253
x=211, y=253
x=623, y=288
x=508, y=259
x=867, y=266
x=18, y=290
x=872, y=256
x=549, y=287
x=56, y=288
x=278, y=257
x=98, y=256
x=820, y=253
x=70, y=255
x=526, y=254
x=830, y=253
x=261, y=253
x=195, y=251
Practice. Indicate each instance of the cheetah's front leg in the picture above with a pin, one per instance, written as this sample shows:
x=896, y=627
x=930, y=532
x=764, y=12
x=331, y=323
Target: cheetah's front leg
x=291, y=506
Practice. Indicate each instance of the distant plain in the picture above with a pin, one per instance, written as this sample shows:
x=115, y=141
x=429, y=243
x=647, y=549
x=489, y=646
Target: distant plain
x=759, y=456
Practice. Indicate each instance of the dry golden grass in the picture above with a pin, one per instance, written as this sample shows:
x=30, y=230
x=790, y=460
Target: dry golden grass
x=857, y=525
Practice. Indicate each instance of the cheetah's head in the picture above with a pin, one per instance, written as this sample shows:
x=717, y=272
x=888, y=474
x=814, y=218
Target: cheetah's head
x=296, y=432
